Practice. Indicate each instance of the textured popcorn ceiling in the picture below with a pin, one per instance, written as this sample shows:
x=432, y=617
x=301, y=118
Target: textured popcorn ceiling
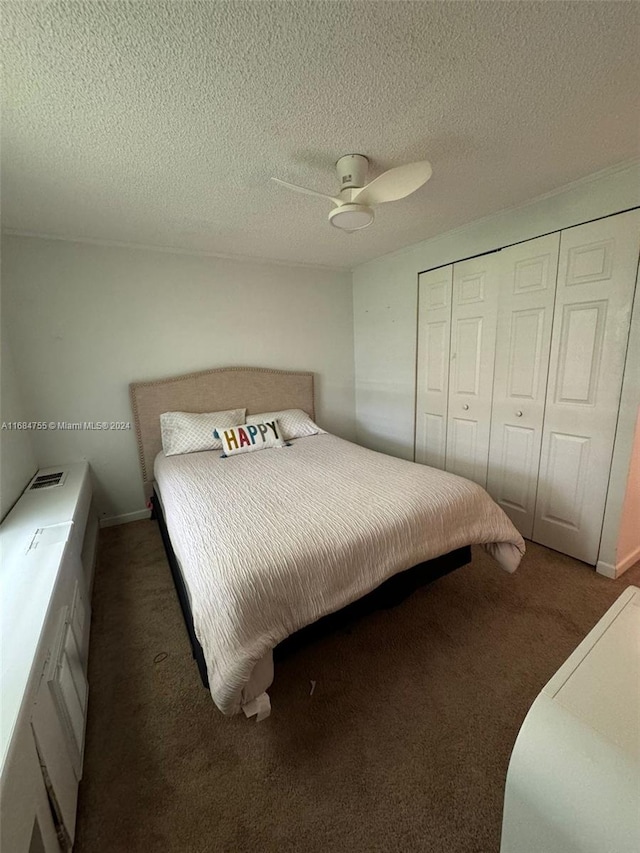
x=161, y=123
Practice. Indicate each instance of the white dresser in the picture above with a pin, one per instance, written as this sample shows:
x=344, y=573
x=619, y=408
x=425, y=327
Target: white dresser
x=573, y=784
x=48, y=546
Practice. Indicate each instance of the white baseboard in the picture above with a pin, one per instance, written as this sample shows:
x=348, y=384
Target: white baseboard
x=610, y=571
x=606, y=569
x=630, y=560
x=125, y=518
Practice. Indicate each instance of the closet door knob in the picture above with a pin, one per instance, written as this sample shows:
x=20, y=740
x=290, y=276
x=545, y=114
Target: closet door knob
x=466, y=407
x=518, y=414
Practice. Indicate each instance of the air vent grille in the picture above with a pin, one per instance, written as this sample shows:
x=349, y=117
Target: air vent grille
x=46, y=481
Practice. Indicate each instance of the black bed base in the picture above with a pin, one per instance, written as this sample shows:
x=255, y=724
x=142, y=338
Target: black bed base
x=388, y=594
x=183, y=598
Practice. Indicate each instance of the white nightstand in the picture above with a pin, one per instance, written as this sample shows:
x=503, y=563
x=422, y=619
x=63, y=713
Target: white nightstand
x=573, y=784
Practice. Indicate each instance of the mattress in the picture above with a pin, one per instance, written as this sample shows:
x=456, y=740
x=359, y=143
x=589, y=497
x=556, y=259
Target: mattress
x=269, y=542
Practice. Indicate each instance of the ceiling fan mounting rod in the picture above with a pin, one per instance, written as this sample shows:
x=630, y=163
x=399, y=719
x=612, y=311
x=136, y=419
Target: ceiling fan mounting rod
x=352, y=171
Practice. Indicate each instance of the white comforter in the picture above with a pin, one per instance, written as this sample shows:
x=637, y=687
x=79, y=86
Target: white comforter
x=270, y=541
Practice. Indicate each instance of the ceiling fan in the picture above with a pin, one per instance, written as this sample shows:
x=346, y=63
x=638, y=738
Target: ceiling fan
x=355, y=199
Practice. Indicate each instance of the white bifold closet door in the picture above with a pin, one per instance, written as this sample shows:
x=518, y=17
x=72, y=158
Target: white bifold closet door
x=473, y=328
x=596, y=279
x=528, y=274
x=432, y=390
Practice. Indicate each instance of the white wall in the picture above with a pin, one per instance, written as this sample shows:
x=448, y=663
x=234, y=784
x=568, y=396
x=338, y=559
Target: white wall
x=628, y=551
x=620, y=543
x=385, y=297
x=89, y=319
x=17, y=456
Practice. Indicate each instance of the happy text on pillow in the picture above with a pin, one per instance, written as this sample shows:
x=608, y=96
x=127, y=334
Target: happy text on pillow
x=244, y=436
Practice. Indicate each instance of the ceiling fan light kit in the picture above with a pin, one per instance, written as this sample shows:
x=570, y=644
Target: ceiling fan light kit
x=354, y=204
x=351, y=217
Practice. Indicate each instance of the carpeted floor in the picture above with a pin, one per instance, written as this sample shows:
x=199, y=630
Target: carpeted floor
x=403, y=746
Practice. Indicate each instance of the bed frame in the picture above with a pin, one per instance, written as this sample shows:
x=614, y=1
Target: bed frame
x=259, y=390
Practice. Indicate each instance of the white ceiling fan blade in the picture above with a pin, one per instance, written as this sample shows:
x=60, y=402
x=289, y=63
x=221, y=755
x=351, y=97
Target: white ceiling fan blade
x=307, y=191
x=394, y=184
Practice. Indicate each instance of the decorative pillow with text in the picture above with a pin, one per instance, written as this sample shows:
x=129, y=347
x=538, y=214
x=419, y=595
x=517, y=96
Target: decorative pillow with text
x=247, y=437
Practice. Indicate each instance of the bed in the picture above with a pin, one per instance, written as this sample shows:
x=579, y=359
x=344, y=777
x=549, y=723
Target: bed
x=265, y=544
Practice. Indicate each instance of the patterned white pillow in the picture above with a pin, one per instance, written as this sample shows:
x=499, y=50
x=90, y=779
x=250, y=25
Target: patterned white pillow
x=247, y=437
x=294, y=423
x=189, y=432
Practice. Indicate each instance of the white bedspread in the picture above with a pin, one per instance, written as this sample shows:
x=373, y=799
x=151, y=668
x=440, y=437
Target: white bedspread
x=270, y=541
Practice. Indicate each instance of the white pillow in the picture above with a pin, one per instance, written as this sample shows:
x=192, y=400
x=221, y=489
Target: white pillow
x=247, y=437
x=189, y=432
x=294, y=423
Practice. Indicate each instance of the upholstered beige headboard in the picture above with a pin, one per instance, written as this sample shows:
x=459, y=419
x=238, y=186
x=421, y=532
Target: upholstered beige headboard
x=255, y=388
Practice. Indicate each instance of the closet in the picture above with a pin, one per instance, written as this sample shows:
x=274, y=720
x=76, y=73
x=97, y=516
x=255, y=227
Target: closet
x=521, y=355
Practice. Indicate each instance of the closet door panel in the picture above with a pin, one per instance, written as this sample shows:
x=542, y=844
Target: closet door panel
x=596, y=279
x=434, y=332
x=467, y=362
x=463, y=446
x=528, y=275
x=566, y=473
x=517, y=455
x=473, y=325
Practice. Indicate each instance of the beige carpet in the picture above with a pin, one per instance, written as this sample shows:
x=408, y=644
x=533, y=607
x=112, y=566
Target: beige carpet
x=403, y=746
